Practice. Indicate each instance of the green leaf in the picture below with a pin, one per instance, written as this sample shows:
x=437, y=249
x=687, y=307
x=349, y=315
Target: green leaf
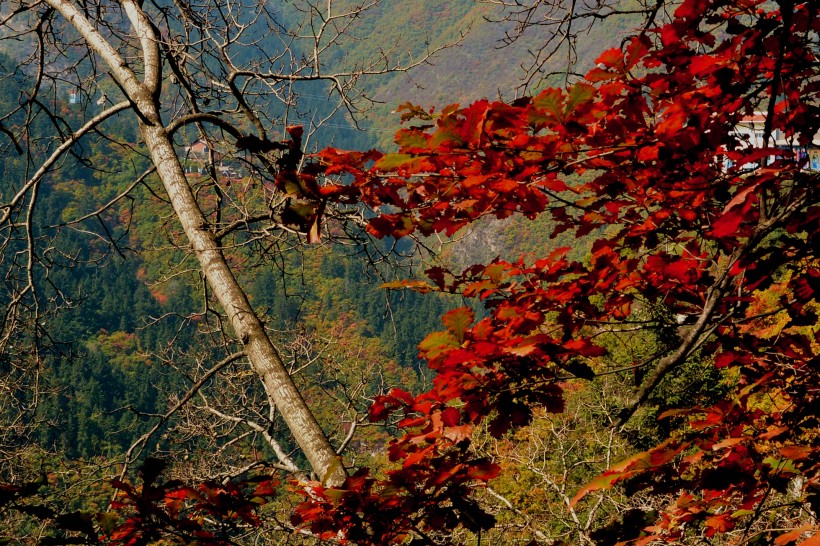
x=551, y=101
x=411, y=138
x=292, y=188
x=458, y=321
x=422, y=287
x=781, y=466
x=579, y=94
x=391, y=162
x=438, y=343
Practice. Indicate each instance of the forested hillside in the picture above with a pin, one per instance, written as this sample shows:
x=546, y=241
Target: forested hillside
x=119, y=299
x=485, y=61
x=122, y=303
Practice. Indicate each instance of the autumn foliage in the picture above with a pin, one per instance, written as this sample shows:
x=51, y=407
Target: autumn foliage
x=643, y=156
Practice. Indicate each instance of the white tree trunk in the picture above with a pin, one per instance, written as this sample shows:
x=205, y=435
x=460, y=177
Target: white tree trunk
x=262, y=355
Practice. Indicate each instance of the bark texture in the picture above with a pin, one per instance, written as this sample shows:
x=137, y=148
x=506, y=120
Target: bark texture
x=265, y=360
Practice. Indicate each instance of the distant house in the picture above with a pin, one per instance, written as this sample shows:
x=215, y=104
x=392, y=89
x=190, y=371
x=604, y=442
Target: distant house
x=752, y=128
x=198, y=148
x=197, y=161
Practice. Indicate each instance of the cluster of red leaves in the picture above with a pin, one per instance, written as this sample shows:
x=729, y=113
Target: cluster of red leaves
x=210, y=513
x=154, y=512
x=695, y=219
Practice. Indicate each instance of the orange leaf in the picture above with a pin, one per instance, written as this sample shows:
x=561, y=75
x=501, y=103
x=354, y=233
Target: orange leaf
x=719, y=524
x=648, y=460
x=796, y=453
x=791, y=536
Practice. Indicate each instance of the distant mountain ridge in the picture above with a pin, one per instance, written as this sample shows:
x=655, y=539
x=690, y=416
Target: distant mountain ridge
x=480, y=66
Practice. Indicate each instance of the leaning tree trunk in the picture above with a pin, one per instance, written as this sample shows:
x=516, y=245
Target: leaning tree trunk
x=262, y=355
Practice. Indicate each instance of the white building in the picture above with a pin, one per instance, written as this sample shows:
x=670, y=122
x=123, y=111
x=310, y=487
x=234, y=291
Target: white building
x=751, y=129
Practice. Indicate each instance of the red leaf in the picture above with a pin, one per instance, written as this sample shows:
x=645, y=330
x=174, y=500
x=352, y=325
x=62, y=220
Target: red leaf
x=691, y=8
x=584, y=347
x=727, y=224
x=740, y=197
x=394, y=225
x=418, y=456
x=473, y=124
x=789, y=537
x=459, y=433
x=603, y=481
x=483, y=470
x=611, y=58
x=635, y=51
x=553, y=184
x=450, y=417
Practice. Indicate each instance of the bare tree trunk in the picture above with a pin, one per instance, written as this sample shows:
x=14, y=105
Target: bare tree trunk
x=247, y=326
x=261, y=352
